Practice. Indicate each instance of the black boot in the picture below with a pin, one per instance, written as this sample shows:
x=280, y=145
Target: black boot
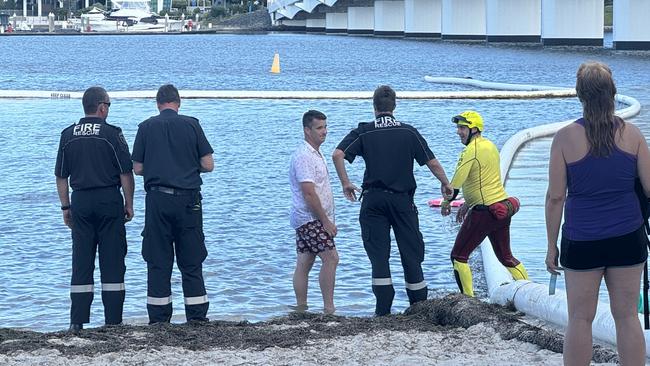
x=75, y=328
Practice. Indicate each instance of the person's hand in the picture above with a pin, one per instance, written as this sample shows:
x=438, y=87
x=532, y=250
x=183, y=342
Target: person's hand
x=551, y=260
x=128, y=213
x=445, y=208
x=330, y=228
x=350, y=191
x=67, y=218
x=462, y=212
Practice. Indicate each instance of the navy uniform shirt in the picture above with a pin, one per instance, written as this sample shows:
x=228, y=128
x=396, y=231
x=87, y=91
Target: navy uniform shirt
x=388, y=148
x=93, y=154
x=170, y=147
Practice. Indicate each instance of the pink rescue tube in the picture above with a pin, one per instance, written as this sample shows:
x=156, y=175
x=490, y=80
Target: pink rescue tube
x=437, y=201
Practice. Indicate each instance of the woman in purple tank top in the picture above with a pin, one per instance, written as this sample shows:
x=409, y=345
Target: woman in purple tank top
x=594, y=163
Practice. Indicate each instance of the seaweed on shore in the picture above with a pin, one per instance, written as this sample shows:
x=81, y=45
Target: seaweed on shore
x=294, y=330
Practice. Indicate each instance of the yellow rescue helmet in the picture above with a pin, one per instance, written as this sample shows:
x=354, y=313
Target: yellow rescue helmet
x=470, y=119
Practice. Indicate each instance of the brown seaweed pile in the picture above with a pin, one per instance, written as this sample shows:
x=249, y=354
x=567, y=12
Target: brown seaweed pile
x=294, y=330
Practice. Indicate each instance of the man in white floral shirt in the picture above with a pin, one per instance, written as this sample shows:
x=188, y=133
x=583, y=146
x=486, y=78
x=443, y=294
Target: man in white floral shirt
x=312, y=213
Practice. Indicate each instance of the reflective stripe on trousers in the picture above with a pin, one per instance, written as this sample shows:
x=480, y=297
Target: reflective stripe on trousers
x=113, y=286
x=196, y=300
x=159, y=300
x=416, y=286
x=79, y=289
x=382, y=281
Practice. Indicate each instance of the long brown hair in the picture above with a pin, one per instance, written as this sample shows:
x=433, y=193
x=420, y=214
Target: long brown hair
x=596, y=90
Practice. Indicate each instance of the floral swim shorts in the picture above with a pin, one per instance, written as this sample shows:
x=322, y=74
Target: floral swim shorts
x=312, y=238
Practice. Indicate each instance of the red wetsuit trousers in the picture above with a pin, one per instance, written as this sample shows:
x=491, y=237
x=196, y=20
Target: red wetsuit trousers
x=480, y=224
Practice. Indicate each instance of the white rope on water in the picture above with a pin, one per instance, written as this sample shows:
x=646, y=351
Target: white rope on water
x=530, y=297
x=291, y=94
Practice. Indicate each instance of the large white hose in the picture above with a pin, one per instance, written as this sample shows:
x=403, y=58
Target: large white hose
x=530, y=297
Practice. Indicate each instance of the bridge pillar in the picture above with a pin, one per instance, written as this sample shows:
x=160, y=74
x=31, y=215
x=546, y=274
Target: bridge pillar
x=463, y=19
x=575, y=22
x=361, y=20
x=315, y=25
x=422, y=18
x=514, y=20
x=389, y=18
x=336, y=22
x=631, y=27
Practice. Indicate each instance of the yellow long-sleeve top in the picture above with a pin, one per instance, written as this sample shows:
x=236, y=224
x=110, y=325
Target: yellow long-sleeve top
x=478, y=173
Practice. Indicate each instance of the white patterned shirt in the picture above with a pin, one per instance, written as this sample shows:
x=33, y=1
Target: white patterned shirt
x=308, y=165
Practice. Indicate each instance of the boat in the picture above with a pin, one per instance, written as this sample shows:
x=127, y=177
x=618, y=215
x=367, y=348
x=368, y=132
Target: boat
x=126, y=16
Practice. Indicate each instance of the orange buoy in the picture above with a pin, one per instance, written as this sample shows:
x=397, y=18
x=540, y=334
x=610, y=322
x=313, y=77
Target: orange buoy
x=275, y=67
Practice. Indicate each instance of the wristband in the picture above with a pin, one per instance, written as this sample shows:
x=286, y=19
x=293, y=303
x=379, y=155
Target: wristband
x=66, y=207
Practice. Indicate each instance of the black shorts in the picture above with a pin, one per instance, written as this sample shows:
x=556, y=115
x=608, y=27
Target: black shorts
x=620, y=251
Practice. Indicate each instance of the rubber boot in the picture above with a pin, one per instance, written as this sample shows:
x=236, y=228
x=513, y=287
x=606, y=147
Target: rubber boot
x=463, y=275
x=518, y=272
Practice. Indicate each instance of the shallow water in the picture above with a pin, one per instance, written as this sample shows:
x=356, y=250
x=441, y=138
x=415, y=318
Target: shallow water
x=246, y=200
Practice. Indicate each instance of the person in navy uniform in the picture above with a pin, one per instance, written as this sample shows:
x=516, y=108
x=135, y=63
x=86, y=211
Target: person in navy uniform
x=94, y=160
x=389, y=148
x=171, y=151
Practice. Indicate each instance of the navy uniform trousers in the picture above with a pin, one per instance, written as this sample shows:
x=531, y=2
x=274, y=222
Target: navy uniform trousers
x=174, y=225
x=97, y=221
x=381, y=210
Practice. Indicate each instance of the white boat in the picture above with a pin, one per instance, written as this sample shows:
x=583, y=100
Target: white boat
x=126, y=16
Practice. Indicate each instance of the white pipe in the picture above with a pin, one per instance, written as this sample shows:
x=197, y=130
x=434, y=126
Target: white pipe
x=487, y=84
x=296, y=94
x=530, y=297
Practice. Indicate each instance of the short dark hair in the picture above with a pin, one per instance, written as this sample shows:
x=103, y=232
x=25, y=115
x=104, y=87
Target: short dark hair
x=168, y=94
x=92, y=97
x=384, y=99
x=309, y=117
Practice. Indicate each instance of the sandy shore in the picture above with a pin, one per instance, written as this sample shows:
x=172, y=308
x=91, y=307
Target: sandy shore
x=453, y=330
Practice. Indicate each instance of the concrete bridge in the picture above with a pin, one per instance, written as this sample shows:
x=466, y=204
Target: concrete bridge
x=550, y=22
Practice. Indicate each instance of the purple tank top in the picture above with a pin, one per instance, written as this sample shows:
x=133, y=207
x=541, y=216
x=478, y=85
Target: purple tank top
x=601, y=202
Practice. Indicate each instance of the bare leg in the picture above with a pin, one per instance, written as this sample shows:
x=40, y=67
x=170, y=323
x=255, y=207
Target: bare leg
x=304, y=263
x=623, y=286
x=327, y=278
x=582, y=299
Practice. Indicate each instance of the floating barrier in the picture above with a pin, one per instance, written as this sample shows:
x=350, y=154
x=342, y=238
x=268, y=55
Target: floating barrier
x=530, y=297
x=292, y=94
x=436, y=202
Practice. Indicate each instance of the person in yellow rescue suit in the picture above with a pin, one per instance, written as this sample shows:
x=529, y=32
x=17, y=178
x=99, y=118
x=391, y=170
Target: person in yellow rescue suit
x=487, y=209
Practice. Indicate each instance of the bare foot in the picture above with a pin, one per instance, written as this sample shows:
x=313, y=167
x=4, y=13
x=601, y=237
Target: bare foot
x=301, y=308
x=329, y=311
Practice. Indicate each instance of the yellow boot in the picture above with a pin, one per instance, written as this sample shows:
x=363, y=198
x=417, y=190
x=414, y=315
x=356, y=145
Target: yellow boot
x=463, y=275
x=518, y=272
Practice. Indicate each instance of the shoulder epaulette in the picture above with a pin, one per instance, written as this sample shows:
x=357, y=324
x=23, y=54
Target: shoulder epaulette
x=113, y=126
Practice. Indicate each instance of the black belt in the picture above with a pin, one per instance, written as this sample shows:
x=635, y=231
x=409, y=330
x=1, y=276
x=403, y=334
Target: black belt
x=97, y=189
x=378, y=189
x=173, y=191
x=481, y=208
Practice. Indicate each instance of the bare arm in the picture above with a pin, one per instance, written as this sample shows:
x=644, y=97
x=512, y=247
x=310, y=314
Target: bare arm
x=555, y=197
x=138, y=168
x=64, y=196
x=207, y=163
x=313, y=202
x=349, y=189
x=128, y=186
x=643, y=163
x=439, y=173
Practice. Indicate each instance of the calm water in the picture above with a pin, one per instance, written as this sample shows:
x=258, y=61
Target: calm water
x=248, y=271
